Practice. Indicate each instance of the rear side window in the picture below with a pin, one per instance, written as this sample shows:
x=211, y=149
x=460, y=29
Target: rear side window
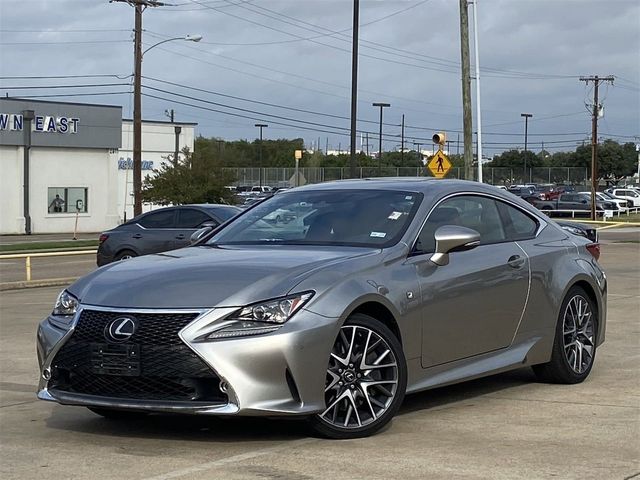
x=191, y=218
x=162, y=219
x=517, y=224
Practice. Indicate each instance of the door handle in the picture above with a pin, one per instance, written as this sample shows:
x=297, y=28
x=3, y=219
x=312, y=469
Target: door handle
x=515, y=261
x=137, y=235
x=180, y=237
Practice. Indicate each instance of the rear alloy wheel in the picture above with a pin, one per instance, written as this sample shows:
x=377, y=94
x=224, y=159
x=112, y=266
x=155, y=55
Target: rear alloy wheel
x=125, y=255
x=574, y=348
x=366, y=380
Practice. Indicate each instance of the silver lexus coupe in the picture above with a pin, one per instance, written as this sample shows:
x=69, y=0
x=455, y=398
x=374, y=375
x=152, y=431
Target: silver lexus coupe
x=373, y=289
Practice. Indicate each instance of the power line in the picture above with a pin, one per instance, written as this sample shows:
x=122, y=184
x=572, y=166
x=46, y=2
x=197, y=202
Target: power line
x=37, y=87
x=67, y=95
x=47, y=77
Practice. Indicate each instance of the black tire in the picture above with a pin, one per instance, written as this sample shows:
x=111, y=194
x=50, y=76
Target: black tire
x=559, y=368
x=112, y=414
x=124, y=254
x=397, y=373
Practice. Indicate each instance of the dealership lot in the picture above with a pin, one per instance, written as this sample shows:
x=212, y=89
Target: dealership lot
x=505, y=426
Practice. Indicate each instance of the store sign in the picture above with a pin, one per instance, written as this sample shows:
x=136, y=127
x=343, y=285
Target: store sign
x=41, y=123
x=128, y=164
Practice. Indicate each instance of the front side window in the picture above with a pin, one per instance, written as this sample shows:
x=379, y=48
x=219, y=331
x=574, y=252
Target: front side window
x=474, y=212
x=161, y=219
x=361, y=218
x=67, y=199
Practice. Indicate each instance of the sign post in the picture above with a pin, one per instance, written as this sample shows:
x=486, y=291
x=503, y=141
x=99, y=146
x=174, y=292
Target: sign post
x=298, y=155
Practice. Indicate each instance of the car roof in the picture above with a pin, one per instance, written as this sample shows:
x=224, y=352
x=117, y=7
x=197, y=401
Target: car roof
x=411, y=184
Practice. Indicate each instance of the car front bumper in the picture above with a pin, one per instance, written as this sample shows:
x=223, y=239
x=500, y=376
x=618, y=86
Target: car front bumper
x=280, y=373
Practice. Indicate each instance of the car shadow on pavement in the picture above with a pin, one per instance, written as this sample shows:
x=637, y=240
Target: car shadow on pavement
x=250, y=429
x=178, y=427
x=443, y=396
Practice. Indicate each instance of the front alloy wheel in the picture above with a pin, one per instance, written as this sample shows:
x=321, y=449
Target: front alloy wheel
x=366, y=380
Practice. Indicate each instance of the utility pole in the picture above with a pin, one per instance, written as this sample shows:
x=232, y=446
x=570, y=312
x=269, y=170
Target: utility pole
x=594, y=136
x=382, y=106
x=402, y=144
x=354, y=87
x=177, y=129
x=140, y=6
x=260, y=126
x=366, y=136
x=526, y=116
x=466, y=91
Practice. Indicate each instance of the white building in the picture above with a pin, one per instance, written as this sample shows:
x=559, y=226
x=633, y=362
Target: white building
x=158, y=143
x=59, y=161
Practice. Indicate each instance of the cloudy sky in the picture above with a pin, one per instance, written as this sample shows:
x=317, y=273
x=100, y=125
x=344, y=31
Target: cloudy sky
x=288, y=64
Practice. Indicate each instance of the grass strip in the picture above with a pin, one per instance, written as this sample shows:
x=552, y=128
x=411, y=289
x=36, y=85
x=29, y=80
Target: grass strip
x=42, y=246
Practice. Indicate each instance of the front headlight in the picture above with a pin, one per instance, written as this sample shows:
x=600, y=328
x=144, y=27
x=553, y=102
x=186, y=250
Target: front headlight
x=260, y=318
x=66, y=305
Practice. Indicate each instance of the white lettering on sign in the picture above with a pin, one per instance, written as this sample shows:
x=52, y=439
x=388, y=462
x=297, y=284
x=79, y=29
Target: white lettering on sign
x=41, y=123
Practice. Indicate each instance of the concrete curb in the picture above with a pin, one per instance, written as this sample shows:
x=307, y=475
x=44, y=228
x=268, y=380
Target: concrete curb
x=51, y=282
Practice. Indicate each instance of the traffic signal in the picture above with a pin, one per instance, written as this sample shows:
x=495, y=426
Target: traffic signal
x=440, y=138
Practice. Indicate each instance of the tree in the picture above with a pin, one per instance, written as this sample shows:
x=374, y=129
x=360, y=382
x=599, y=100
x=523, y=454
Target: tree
x=197, y=179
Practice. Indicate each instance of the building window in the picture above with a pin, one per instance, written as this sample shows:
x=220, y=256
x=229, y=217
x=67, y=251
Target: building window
x=67, y=200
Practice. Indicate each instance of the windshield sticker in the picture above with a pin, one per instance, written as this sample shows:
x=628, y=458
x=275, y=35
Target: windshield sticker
x=395, y=215
x=378, y=234
x=408, y=197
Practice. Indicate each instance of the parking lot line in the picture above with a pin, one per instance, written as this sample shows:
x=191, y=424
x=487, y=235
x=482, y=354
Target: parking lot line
x=203, y=467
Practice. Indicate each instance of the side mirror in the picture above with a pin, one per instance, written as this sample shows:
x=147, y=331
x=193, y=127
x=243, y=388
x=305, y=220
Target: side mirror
x=451, y=238
x=198, y=234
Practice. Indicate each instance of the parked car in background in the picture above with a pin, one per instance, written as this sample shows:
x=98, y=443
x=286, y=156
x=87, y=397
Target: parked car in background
x=522, y=190
x=581, y=230
x=573, y=201
x=627, y=194
x=256, y=189
x=623, y=205
x=160, y=230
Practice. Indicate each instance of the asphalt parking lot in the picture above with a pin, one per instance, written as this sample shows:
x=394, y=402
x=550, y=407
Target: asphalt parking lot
x=502, y=427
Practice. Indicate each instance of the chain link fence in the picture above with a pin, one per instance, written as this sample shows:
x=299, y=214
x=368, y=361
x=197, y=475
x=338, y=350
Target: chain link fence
x=286, y=177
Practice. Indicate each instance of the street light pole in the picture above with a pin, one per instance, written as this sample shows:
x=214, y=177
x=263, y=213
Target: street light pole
x=382, y=106
x=354, y=87
x=526, y=116
x=478, y=110
x=260, y=126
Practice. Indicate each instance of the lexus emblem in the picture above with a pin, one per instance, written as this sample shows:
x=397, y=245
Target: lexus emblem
x=120, y=329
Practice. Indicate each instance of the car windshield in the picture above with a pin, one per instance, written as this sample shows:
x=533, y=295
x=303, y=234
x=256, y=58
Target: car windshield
x=361, y=218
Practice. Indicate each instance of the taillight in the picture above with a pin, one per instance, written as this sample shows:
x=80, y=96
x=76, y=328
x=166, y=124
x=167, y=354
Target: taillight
x=594, y=249
x=103, y=238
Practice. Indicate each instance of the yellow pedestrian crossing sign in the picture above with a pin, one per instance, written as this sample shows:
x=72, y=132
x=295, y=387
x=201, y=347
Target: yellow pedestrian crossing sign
x=439, y=165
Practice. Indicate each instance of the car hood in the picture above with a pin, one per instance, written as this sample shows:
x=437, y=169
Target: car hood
x=197, y=277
